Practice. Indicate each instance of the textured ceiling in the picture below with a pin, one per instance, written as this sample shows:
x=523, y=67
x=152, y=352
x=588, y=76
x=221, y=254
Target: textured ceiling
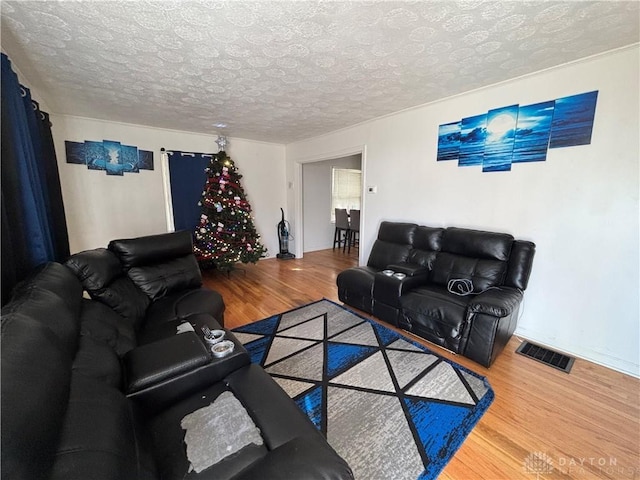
x=281, y=71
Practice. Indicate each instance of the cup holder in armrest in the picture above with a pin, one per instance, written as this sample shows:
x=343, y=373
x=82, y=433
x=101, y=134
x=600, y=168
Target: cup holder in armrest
x=408, y=269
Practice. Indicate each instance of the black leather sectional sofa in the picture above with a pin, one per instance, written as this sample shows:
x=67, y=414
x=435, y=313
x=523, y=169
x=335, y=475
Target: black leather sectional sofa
x=458, y=288
x=97, y=388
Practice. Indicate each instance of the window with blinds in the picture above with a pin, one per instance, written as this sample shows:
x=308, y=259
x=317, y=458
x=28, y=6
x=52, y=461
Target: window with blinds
x=346, y=191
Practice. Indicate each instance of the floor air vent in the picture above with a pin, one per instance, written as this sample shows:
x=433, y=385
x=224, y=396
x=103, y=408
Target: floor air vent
x=546, y=356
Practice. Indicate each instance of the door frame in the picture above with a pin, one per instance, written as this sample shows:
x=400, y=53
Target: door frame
x=298, y=213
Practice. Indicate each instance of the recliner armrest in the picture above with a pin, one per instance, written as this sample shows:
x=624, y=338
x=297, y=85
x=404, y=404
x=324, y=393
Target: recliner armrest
x=496, y=301
x=180, y=366
x=155, y=362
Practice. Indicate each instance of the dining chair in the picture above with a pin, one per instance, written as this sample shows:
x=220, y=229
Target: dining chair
x=342, y=228
x=354, y=229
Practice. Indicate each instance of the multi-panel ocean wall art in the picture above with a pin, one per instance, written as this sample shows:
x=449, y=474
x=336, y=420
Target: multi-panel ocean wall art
x=113, y=157
x=517, y=134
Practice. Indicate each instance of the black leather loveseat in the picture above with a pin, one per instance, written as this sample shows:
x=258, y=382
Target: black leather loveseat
x=83, y=398
x=458, y=288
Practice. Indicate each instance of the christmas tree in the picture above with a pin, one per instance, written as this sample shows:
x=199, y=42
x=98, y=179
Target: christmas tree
x=226, y=234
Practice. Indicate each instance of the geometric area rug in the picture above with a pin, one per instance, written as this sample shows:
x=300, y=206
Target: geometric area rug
x=389, y=406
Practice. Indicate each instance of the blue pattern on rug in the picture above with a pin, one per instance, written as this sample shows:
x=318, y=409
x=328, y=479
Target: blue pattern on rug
x=386, y=335
x=341, y=357
x=257, y=349
x=311, y=404
x=265, y=327
x=437, y=426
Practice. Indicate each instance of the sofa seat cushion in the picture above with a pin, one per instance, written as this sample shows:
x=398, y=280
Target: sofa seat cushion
x=268, y=404
x=99, y=361
x=170, y=449
x=435, y=314
x=100, y=438
x=224, y=420
x=309, y=457
x=184, y=304
x=279, y=419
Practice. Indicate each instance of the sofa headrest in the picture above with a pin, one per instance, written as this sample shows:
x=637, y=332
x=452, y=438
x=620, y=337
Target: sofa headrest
x=95, y=268
x=477, y=244
x=428, y=238
x=427, y=241
x=395, y=232
x=136, y=252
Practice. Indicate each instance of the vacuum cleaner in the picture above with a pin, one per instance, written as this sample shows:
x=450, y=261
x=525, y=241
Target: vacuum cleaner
x=283, y=237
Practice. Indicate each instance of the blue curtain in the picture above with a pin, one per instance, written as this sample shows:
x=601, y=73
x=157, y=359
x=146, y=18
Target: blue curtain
x=34, y=229
x=187, y=177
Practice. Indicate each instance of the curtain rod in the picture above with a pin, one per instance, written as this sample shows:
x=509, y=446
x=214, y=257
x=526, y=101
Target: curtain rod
x=191, y=154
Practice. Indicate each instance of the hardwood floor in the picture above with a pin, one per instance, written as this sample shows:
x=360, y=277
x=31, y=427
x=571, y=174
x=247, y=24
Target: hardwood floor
x=543, y=423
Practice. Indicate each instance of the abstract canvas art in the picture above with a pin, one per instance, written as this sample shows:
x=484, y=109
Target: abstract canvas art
x=108, y=155
x=518, y=133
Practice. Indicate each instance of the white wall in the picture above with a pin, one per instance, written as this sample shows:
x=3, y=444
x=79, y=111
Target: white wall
x=580, y=206
x=101, y=207
x=316, y=180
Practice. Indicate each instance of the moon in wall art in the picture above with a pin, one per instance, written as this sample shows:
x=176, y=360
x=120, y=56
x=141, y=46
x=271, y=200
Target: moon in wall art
x=501, y=124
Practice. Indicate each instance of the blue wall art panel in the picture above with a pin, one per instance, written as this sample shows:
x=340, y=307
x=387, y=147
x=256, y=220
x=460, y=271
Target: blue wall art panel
x=518, y=134
x=532, y=132
x=75, y=153
x=145, y=160
x=110, y=156
x=473, y=131
x=501, y=133
x=448, y=141
x=129, y=158
x=95, y=155
x=573, y=120
x=113, y=164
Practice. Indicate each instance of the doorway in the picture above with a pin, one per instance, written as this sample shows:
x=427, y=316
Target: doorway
x=317, y=177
